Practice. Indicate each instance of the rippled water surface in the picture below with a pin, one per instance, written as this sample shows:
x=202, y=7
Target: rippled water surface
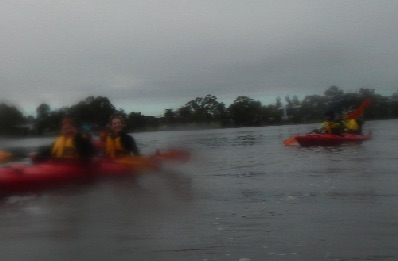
x=244, y=196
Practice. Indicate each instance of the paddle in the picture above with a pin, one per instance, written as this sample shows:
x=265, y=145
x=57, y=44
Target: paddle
x=173, y=155
x=290, y=141
x=5, y=156
x=151, y=162
x=358, y=112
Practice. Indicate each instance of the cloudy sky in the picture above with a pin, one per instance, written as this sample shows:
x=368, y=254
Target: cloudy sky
x=149, y=55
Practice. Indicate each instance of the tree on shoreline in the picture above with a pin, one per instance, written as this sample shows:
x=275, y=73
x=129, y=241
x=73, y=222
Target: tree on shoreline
x=10, y=118
x=206, y=111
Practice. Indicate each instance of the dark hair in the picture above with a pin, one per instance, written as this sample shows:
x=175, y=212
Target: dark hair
x=116, y=116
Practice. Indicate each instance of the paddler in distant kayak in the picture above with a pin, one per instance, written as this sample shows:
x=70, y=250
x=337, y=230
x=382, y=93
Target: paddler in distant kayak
x=331, y=125
x=353, y=126
x=118, y=143
x=353, y=123
x=69, y=145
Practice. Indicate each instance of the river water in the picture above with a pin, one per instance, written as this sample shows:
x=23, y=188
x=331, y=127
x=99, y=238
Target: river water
x=243, y=196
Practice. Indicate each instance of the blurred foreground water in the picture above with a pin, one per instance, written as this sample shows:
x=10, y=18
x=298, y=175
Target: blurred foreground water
x=244, y=196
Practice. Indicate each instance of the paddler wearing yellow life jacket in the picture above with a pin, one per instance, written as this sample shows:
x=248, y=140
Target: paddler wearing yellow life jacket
x=331, y=125
x=354, y=125
x=70, y=144
x=118, y=143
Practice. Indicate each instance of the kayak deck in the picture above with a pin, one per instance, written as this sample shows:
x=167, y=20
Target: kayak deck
x=331, y=139
x=19, y=178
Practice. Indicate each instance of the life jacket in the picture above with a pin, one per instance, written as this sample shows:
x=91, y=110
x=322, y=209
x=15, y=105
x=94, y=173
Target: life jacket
x=333, y=127
x=114, y=147
x=64, y=147
x=352, y=125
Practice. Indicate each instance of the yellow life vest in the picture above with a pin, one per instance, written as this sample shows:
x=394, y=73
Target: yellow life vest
x=327, y=127
x=114, y=148
x=64, y=147
x=330, y=126
x=352, y=125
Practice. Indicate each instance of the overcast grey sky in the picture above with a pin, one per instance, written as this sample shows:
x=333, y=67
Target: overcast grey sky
x=149, y=55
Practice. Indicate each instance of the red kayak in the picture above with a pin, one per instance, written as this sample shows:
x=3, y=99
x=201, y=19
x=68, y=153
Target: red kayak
x=31, y=178
x=28, y=178
x=330, y=139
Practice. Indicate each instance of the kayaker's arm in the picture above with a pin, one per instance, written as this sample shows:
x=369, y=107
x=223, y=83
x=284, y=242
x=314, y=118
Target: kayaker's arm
x=84, y=146
x=316, y=131
x=133, y=146
x=43, y=154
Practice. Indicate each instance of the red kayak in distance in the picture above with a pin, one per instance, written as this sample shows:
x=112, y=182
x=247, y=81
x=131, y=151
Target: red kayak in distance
x=20, y=178
x=330, y=139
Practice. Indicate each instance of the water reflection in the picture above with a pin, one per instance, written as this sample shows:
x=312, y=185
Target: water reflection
x=241, y=140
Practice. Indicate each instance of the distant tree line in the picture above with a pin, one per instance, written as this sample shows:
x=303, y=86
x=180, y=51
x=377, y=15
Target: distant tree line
x=201, y=112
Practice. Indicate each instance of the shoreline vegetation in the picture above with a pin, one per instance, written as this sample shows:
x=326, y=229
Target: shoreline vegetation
x=206, y=112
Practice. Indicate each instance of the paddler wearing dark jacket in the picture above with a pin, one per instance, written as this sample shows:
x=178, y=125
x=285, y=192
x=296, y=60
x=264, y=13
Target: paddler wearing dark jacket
x=118, y=143
x=69, y=145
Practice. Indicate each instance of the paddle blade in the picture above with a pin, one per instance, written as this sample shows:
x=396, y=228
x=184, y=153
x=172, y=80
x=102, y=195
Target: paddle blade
x=5, y=156
x=139, y=164
x=358, y=112
x=174, y=155
x=290, y=141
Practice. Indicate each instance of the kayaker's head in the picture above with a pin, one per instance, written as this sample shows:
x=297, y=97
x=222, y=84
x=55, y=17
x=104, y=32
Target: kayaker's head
x=329, y=115
x=116, y=124
x=68, y=127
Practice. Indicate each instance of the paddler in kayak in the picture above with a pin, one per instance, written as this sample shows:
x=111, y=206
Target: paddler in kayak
x=353, y=126
x=331, y=125
x=70, y=144
x=118, y=143
x=354, y=118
